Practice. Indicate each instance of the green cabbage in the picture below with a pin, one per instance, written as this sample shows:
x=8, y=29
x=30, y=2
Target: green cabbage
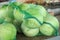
x=2, y=14
x=50, y=26
x=7, y=31
x=6, y=13
x=29, y=19
x=30, y=29
x=18, y=15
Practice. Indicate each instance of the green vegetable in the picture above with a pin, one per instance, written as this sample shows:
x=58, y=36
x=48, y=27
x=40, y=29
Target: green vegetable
x=1, y=20
x=18, y=15
x=30, y=29
x=52, y=20
x=35, y=12
x=46, y=30
x=50, y=26
x=29, y=19
x=10, y=12
x=6, y=13
x=2, y=14
x=35, y=9
x=7, y=31
x=25, y=6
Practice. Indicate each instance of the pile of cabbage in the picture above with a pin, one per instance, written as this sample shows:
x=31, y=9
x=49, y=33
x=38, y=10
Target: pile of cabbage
x=29, y=19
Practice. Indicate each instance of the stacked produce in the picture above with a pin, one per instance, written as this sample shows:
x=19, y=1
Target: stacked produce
x=29, y=19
